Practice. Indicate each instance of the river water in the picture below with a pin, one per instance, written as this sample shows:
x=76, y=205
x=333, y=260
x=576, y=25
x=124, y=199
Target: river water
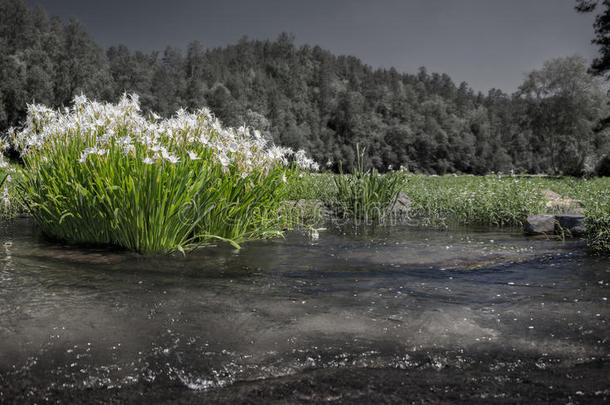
x=388, y=315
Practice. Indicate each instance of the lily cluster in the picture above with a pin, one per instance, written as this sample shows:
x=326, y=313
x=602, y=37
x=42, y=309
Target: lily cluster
x=106, y=173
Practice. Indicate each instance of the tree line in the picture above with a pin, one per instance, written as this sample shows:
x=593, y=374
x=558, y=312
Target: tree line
x=306, y=97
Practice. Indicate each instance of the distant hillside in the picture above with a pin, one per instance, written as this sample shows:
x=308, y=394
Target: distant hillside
x=304, y=97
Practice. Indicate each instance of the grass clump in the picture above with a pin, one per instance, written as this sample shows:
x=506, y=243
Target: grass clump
x=366, y=195
x=597, y=221
x=311, y=186
x=501, y=201
x=105, y=174
x=10, y=175
x=594, y=194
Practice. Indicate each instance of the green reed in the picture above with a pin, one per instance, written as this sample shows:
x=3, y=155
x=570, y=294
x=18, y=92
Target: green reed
x=366, y=194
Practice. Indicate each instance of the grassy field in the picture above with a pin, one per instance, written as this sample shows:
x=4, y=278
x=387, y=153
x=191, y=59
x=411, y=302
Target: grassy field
x=485, y=200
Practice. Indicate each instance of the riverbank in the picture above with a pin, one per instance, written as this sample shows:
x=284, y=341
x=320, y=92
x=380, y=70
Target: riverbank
x=496, y=201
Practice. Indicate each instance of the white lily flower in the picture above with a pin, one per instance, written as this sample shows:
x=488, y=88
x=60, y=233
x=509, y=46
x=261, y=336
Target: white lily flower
x=172, y=159
x=80, y=100
x=224, y=160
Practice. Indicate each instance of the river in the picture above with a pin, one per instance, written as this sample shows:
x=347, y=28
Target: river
x=389, y=315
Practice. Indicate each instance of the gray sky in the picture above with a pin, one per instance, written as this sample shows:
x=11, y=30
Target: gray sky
x=487, y=43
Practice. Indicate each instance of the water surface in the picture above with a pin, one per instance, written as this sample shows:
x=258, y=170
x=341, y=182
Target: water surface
x=389, y=315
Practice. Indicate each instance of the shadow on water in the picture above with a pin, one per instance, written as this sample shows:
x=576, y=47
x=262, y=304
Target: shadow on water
x=392, y=315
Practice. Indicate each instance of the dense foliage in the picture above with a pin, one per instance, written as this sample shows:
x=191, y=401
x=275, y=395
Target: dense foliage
x=601, y=65
x=306, y=97
x=105, y=174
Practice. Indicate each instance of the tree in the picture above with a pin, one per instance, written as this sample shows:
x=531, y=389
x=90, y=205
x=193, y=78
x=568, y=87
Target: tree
x=309, y=98
x=601, y=65
x=83, y=67
x=169, y=82
x=564, y=103
x=195, y=88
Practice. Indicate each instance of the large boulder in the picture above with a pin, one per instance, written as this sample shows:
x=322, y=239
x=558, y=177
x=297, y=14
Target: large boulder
x=540, y=224
x=574, y=224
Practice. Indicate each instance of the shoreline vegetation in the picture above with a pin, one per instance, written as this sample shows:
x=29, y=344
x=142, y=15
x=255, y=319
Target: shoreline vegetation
x=105, y=174
x=434, y=201
x=492, y=200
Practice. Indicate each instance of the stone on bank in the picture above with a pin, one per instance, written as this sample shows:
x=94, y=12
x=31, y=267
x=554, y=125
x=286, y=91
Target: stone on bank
x=572, y=224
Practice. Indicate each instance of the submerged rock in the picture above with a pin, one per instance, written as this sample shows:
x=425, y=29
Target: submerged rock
x=574, y=224
x=540, y=224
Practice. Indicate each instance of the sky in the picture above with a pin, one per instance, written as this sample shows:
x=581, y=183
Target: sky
x=487, y=43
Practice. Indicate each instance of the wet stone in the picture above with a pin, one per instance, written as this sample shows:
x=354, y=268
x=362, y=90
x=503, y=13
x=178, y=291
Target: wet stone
x=395, y=318
x=574, y=224
x=540, y=224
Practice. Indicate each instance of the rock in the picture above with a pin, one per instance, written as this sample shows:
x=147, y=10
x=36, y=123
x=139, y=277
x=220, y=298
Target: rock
x=540, y=224
x=401, y=206
x=574, y=224
x=550, y=195
x=559, y=203
x=571, y=224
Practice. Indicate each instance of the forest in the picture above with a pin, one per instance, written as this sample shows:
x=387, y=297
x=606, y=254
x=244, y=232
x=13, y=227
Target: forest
x=307, y=98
